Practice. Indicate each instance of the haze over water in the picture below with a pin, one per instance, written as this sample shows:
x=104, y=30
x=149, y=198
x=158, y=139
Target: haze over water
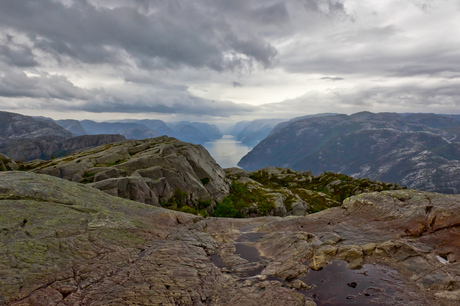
x=227, y=151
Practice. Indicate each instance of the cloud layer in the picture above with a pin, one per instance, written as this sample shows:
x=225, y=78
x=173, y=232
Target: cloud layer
x=229, y=58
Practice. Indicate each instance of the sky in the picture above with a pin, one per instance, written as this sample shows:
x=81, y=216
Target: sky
x=227, y=60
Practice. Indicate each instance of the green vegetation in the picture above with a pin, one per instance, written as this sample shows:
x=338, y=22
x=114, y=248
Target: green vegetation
x=243, y=202
x=313, y=193
x=205, y=180
x=180, y=202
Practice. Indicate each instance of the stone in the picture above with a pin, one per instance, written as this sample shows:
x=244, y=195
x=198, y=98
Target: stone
x=63, y=242
x=145, y=170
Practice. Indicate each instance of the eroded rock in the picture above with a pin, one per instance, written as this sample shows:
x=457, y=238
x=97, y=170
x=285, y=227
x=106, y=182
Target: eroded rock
x=145, y=171
x=66, y=243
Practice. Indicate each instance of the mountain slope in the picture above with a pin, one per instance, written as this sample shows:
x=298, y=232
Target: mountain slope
x=252, y=132
x=26, y=138
x=417, y=151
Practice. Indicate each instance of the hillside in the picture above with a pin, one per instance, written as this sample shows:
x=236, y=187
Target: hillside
x=26, y=138
x=420, y=151
x=181, y=176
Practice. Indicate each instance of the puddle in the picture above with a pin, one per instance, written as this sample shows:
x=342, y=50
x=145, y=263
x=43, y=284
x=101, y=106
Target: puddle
x=218, y=262
x=255, y=262
x=250, y=237
x=247, y=252
x=338, y=285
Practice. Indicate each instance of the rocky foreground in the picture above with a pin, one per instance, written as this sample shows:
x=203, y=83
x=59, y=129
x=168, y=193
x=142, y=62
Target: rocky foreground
x=63, y=243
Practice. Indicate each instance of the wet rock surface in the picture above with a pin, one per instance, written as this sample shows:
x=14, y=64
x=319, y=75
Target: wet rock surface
x=65, y=243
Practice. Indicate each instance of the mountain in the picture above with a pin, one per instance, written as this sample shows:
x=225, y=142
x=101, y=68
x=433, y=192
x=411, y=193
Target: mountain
x=420, y=151
x=26, y=138
x=63, y=243
x=129, y=130
x=284, y=123
x=252, y=132
x=73, y=126
x=196, y=132
x=193, y=132
x=154, y=124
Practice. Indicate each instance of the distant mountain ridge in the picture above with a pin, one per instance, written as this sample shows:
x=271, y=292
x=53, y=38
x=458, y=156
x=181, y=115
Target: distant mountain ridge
x=252, y=132
x=420, y=151
x=25, y=138
x=193, y=132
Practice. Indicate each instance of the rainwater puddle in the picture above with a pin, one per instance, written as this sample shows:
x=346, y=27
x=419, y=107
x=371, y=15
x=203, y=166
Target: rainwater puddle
x=337, y=285
x=250, y=237
x=218, y=262
x=247, y=252
x=255, y=262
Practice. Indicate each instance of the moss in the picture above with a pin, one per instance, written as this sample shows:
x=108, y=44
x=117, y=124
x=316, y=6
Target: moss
x=176, y=202
x=205, y=180
x=241, y=202
x=120, y=161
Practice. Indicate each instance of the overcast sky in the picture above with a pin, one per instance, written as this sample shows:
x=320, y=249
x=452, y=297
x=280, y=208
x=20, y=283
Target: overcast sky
x=208, y=60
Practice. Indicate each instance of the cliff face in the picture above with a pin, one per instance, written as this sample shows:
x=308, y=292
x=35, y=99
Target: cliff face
x=156, y=171
x=66, y=243
x=418, y=151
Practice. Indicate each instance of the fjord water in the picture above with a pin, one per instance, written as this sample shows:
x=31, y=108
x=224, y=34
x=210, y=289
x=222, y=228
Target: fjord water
x=227, y=151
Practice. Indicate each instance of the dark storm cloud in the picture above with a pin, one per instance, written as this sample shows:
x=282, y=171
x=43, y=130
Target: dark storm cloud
x=237, y=84
x=14, y=54
x=175, y=33
x=51, y=90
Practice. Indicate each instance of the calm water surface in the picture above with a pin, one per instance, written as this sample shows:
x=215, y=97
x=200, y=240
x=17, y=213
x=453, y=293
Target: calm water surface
x=227, y=151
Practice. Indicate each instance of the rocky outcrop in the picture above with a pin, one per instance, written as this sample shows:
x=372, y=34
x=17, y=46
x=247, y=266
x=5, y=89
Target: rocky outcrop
x=283, y=192
x=7, y=164
x=25, y=138
x=65, y=243
x=420, y=151
x=155, y=171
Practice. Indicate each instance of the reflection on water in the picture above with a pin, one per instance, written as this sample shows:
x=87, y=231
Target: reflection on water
x=227, y=151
